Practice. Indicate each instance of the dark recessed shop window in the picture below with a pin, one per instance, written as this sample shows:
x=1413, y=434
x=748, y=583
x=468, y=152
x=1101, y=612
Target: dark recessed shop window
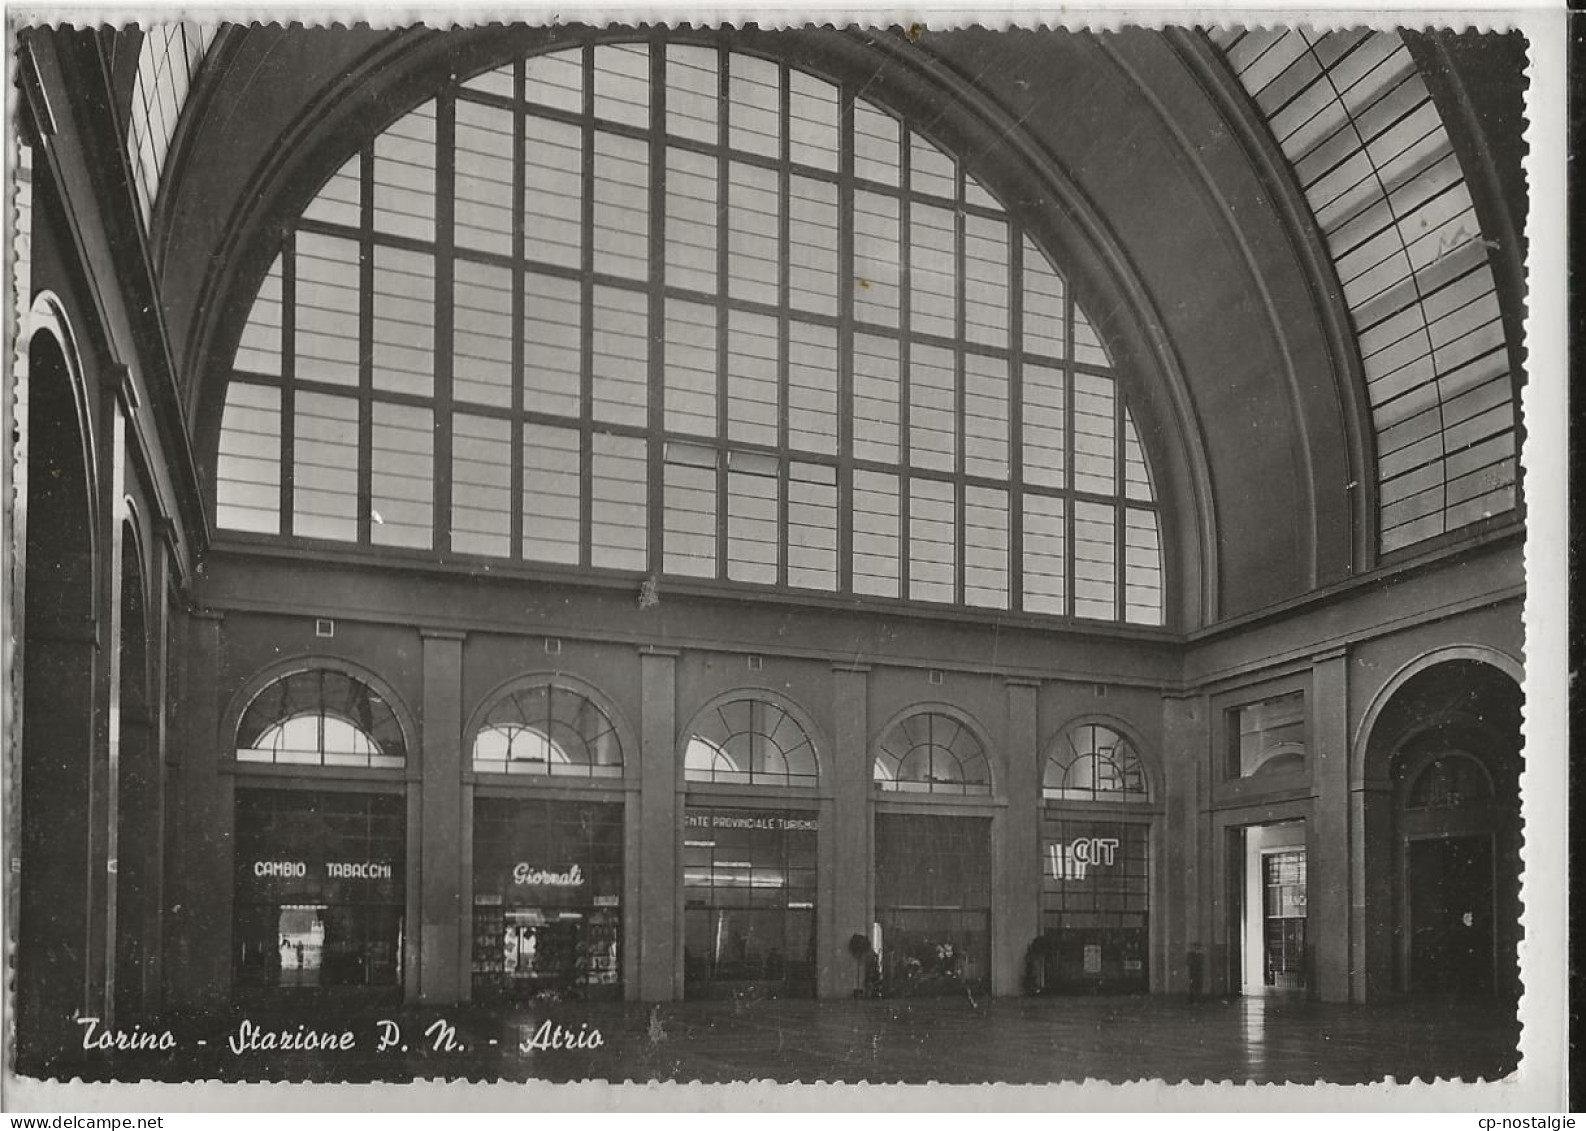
x=933, y=897
x=1268, y=737
x=1095, y=888
x=666, y=307
x=320, y=891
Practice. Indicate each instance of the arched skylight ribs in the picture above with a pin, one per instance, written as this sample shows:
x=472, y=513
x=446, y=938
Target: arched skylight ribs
x=1354, y=117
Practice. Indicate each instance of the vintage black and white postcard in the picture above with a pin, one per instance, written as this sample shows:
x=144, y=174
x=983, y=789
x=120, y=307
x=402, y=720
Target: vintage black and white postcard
x=946, y=550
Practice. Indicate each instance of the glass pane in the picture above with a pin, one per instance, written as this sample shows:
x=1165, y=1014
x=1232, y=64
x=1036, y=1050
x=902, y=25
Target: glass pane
x=812, y=387
x=933, y=271
x=876, y=263
x=753, y=221
x=402, y=479
x=338, y=201
x=1045, y=448
x=1142, y=568
x=551, y=493
x=622, y=206
x=986, y=547
x=692, y=92
x=752, y=498
x=1043, y=305
x=553, y=319
x=754, y=95
x=248, y=471
x=553, y=192
x=483, y=177
x=1044, y=539
x=482, y=334
x=812, y=245
x=986, y=281
x=875, y=534
x=618, y=530
x=621, y=356
x=1095, y=561
x=1095, y=446
x=985, y=416
x=812, y=526
x=930, y=170
x=690, y=518
x=812, y=121
x=327, y=304
x=876, y=135
x=622, y=83
x=481, y=485
x=690, y=368
x=752, y=414
x=876, y=392
x=325, y=467
x=556, y=80
x=933, y=531
x=259, y=351
x=691, y=220
x=404, y=322
x=404, y=176
x=933, y=440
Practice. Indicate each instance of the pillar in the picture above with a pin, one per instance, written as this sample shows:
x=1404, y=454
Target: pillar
x=1016, y=882
x=1329, y=896
x=846, y=868
x=199, y=872
x=660, y=979
x=440, y=857
x=1176, y=901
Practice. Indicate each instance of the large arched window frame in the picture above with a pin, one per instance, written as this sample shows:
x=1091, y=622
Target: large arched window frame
x=1094, y=760
x=320, y=715
x=642, y=307
x=750, y=739
x=932, y=751
x=550, y=728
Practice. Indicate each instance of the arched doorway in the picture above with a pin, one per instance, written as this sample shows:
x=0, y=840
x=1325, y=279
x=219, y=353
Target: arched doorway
x=1449, y=743
x=58, y=711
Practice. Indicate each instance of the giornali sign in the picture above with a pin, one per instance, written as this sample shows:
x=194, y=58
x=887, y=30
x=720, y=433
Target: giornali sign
x=526, y=875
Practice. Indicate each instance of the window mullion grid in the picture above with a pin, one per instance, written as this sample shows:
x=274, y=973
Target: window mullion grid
x=655, y=442
x=443, y=425
x=1069, y=600
x=288, y=380
x=517, y=486
x=723, y=266
x=1015, y=415
x=905, y=313
x=366, y=347
x=785, y=301
x=845, y=344
x=959, y=368
x=586, y=300
x=1120, y=603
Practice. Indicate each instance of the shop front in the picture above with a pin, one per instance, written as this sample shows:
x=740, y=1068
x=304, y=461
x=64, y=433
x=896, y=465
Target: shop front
x=319, y=899
x=547, y=899
x=933, y=903
x=1095, y=906
x=749, y=902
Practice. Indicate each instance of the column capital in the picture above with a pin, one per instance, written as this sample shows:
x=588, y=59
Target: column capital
x=657, y=651
x=1337, y=652
x=1021, y=682
x=846, y=668
x=442, y=634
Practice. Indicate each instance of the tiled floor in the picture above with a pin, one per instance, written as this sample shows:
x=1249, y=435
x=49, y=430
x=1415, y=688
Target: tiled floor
x=1025, y=1040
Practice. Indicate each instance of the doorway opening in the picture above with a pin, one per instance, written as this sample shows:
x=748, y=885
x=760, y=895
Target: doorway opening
x=1271, y=918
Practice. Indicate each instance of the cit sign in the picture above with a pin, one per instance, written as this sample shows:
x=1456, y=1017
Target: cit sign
x=1074, y=860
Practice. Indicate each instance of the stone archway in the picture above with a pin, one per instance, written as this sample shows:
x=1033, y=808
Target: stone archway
x=1442, y=812
x=53, y=975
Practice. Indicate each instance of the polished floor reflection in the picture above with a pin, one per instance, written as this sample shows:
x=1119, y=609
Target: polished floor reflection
x=960, y=1041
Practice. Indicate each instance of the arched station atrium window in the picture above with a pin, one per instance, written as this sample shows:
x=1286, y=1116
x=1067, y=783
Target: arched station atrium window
x=548, y=730
x=1370, y=151
x=321, y=717
x=750, y=742
x=931, y=752
x=757, y=330
x=1092, y=762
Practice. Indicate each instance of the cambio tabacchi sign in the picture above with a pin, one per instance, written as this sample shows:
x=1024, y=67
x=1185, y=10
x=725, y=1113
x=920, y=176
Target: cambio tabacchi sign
x=1073, y=860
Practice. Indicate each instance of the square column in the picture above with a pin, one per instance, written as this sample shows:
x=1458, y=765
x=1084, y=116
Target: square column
x=439, y=862
x=845, y=864
x=1328, y=832
x=660, y=979
x=1177, y=893
x=1016, y=838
